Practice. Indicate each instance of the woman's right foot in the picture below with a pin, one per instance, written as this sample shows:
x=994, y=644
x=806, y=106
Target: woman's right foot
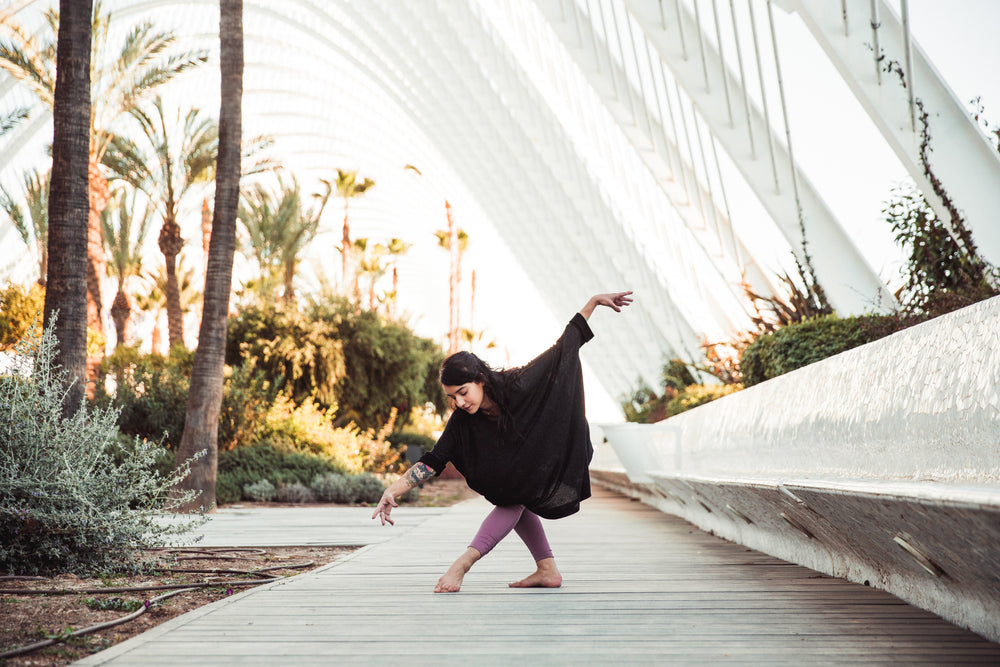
x=546, y=576
x=451, y=581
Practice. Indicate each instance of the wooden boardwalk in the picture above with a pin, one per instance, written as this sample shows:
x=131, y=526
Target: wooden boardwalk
x=640, y=587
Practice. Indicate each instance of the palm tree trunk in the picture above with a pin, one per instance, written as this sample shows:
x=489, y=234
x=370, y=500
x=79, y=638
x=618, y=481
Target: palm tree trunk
x=472, y=303
x=395, y=290
x=201, y=426
x=452, y=282
x=99, y=193
x=121, y=310
x=206, y=226
x=68, y=198
x=170, y=243
x=289, y=296
x=345, y=245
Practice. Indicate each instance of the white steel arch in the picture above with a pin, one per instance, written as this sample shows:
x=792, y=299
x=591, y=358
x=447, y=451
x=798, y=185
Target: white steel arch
x=586, y=133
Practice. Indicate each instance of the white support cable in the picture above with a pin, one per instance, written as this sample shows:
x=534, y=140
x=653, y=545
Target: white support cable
x=876, y=50
x=576, y=20
x=843, y=14
x=663, y=17
x=593, y=34
x=690, y=148
x=788, y=131
x=638, y=72
x=677, y=136
x=743, y=80
x=659, y=111
x=621, y=52
x=851, y=283
x=680, y=29
x=763, y=98
x=908, y=58
x=607, y=45
x=594, y=41
x=701, y=46
x=692, y=217
x=962, y=159
x=737, y=255
x=708, y=177
x=725, y=78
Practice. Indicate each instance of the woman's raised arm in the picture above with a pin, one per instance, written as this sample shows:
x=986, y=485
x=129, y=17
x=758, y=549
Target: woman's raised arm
x=614, y=300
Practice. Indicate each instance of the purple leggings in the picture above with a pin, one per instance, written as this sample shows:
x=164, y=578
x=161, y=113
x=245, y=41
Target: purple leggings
x=524, y=522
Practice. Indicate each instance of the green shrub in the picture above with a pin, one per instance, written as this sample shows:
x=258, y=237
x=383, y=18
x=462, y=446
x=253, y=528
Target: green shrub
x=261, y=491
x=161, y=463
x=227, y=489
x=150, y=392
x=367, y=488
x=295, y=493
x=401, y=440
x=20, y=313
x=699, y=394
x=358, y=362
x=270, y=460
x=333, y=488
x=247, y=396
x=809, y=341
x=71, y=497
x=305, y=354
x=307, y=427
x=151, y=396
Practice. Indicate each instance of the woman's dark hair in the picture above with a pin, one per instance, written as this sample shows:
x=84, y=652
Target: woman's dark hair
x=463, y=367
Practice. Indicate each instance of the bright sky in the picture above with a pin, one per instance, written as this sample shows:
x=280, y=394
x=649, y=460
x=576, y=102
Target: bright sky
x=836, y=144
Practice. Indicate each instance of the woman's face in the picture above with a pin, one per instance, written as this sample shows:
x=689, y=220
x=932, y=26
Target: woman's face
x=468, y=396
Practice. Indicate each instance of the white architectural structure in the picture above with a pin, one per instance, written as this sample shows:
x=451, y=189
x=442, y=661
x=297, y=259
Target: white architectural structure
x=602, y=143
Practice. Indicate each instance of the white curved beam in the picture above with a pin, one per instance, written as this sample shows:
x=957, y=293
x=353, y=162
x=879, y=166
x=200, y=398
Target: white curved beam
x=850, y=283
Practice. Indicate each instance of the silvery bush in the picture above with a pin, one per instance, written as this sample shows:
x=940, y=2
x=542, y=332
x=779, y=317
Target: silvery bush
x=73, y=497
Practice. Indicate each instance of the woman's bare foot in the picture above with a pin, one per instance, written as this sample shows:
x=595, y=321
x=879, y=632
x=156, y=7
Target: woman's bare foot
x=451, y=581
x=546, y=576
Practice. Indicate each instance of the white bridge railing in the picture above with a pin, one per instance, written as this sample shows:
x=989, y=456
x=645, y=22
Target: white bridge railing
x=880, y=465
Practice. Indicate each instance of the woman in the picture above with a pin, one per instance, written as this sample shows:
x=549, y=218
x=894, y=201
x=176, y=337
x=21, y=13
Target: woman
x=520, y=437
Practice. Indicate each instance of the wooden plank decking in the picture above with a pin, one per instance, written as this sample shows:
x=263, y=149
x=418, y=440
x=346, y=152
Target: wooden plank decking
x=640, y=587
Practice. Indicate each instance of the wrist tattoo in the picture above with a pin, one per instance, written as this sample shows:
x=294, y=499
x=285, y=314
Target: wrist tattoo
x=419, y=474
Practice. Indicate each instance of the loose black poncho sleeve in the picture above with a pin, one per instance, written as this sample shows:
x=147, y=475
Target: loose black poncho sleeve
x=543, y=462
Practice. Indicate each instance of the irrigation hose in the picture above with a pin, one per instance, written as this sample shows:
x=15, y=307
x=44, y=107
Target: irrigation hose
x=175, y=589
x=94, y=628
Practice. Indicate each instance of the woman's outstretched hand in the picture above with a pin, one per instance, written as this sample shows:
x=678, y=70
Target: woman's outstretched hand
x=614, y=300
x=385, y=506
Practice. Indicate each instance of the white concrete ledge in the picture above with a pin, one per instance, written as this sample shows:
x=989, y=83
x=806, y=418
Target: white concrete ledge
x=880, y=465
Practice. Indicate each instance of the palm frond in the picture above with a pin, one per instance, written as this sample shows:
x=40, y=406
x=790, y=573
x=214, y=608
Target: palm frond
x=13, y=119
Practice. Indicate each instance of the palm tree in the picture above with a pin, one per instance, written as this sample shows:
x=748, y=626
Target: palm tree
x=201, y=426
x=32, y=227
x=455, y=241
x=154, y=301
x=66, y=293
x=279, y=229
x=349, y=187
x=176, y=156
x=374, y=264
x=397, y=248
x=122, y=80
x=124, y=225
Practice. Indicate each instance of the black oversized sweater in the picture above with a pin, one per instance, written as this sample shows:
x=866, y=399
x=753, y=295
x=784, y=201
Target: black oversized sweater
x=543, y=461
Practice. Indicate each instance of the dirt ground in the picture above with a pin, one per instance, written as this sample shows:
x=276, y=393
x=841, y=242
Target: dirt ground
x=26, y=619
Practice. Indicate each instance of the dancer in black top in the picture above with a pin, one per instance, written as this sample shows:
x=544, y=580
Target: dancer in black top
x=521, y=439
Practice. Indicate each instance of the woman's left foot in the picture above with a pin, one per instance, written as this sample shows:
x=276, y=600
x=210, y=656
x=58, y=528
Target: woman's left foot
x=546, y=576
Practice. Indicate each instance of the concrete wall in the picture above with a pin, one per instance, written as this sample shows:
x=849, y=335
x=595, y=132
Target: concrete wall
x=880, y=465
